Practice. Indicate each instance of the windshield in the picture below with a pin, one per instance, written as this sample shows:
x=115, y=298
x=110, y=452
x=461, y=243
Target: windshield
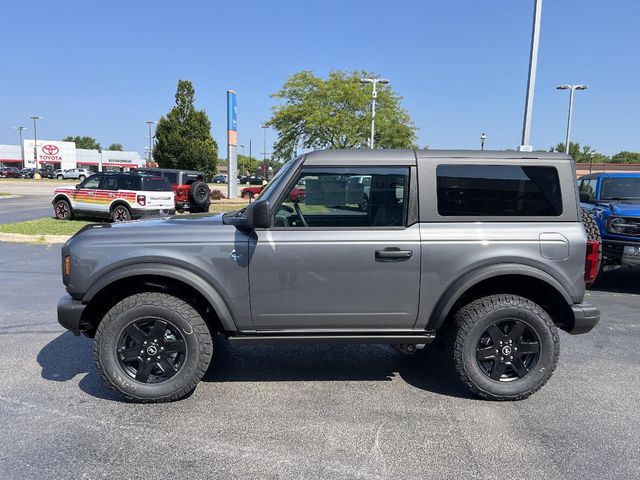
x=277, y=178
x=621, y=188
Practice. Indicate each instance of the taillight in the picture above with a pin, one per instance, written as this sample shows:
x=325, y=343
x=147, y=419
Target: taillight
x=142, y=200
x=591, y=261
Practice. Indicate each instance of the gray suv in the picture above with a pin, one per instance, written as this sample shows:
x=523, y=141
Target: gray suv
x=485, y=250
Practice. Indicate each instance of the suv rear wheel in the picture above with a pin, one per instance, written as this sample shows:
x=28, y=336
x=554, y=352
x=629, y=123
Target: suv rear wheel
x=505, y=347
x=199, y=195
x=120, y=213
x=152, y=347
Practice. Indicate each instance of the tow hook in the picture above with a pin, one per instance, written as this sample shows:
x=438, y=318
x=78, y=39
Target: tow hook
x=408, y=348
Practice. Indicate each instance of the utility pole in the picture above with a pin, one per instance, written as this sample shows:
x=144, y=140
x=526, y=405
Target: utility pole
x=20, y=129
x=374, y=96
x=525, y=145
x=264, y=152
x=35, y=140
x=249, y=154
x=572, y=89
x=150, y=155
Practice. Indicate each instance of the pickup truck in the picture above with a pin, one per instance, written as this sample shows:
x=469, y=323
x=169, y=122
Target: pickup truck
x=484, y=249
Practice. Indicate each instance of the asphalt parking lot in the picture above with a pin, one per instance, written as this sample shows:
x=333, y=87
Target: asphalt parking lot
x=310, y=411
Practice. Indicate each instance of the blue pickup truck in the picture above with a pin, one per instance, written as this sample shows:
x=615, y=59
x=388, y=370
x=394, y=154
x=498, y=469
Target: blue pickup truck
x=613, y=199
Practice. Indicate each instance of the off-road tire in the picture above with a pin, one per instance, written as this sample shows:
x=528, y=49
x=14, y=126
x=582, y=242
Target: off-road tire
x=120, y=213
x=199, y=193
x=199, y=346
x=472, y=320
x=593, y=233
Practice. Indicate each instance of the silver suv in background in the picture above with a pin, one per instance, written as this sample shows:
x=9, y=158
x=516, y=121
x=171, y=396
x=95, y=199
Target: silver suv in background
x=485, y=249
x=74, y=173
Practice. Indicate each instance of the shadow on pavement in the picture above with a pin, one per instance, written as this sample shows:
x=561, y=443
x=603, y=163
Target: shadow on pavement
x=622, y=280
x=67, y=356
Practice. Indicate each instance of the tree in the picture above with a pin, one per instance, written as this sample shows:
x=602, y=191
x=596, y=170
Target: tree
x=88, y=143
x=115, y=147
x=315, y=113
x=247, y=165
x=626, y=157
x=585, y=154
x=183, y=137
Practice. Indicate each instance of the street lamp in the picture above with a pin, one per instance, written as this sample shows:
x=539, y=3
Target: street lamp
x=374, y=95
x=525, y=143
x=150, y=123
x=35, y=140
x=572, y=89
x=244, y=156
x=483, y=138
x=20, y=129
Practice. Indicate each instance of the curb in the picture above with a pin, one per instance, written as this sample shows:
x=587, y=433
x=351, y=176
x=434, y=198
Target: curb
x=22, y=238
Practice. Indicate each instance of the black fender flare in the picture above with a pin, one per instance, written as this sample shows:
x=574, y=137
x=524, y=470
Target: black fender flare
x=463, y=284
x=171, y=271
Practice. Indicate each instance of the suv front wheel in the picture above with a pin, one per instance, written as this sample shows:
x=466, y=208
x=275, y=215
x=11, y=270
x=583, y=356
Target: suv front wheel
x=152, y=347
x=505, y=347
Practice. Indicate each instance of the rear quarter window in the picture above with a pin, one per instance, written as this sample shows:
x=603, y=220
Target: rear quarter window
x=498, y=191
x=155, y=184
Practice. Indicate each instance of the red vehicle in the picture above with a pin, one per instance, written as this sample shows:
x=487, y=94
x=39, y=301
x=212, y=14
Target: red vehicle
x=190, y=187
x=296, y=194
x=9, y=172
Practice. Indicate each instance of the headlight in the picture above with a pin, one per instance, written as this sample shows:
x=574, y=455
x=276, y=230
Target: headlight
x=624, y=226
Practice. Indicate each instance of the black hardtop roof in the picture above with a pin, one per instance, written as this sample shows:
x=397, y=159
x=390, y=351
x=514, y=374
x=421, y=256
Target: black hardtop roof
x=169, y=170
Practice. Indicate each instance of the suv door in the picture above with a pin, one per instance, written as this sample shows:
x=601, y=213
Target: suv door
x=87, y=196
x=326, y=263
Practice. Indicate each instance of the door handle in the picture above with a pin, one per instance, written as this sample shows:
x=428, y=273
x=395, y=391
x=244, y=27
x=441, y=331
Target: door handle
x=393, y=253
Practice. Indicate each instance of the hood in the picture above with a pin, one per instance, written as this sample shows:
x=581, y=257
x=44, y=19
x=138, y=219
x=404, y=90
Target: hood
x=625, y=209
x=174, y=221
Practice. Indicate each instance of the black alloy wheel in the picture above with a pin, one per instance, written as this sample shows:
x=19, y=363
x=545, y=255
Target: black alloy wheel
x=121, y=214
x=508, y=350
x=62, y=210
x=151, y=350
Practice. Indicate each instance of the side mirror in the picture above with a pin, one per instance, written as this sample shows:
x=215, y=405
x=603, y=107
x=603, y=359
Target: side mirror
x=585, y=197
x=78, y=186
x=258, y=214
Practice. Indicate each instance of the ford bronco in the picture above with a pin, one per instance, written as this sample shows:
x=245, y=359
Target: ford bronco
x=486, y=249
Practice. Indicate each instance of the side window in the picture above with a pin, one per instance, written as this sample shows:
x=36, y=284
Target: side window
x=171, y=177
x=589, y=186
x=92, y=182
x=498, y=190
x=129, y=182
x=109, y=183
x=346, y=197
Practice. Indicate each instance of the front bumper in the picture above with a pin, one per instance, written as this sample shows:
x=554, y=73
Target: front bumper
x=70, y=313
x=585, y=317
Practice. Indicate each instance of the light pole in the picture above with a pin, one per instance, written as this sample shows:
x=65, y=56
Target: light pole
x=150, y=123
x=243, y=156
x=35, y=140
x=20, y=129
x=483, y=138
x=374, y=96
x=572, y=89
x=264, y=152
x=525, y=145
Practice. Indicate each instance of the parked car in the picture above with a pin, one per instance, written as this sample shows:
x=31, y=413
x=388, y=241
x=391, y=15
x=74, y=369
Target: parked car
x=47, y=172
x=118, y=196
x=9, y=172
x=296, y=194
x=28, y=172
x=190, y=187
x=449, y=246
x=219, y=179
x=252, y=180
x=74, y=174
x=613, y=200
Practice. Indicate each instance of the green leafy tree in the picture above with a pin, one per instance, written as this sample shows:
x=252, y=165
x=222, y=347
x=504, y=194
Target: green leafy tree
x=88, y=143
x=626, y=157
x=117, y=147
x=247, y=165
x=183, y=137
x=317, y=113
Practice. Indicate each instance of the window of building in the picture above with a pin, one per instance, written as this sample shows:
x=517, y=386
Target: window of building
x=498, y=190
x=346, y=197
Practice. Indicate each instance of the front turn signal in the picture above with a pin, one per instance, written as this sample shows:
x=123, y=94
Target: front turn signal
x=67, y=265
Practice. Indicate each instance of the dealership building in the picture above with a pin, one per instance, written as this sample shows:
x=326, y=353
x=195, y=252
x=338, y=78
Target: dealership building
x=65, y=155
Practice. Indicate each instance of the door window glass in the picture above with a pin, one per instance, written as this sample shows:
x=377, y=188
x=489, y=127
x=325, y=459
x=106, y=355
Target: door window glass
x=92, y=182
x=346, y=197
x=109, y=183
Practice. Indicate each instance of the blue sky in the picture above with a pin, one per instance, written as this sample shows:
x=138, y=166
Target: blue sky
x=103, y=68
